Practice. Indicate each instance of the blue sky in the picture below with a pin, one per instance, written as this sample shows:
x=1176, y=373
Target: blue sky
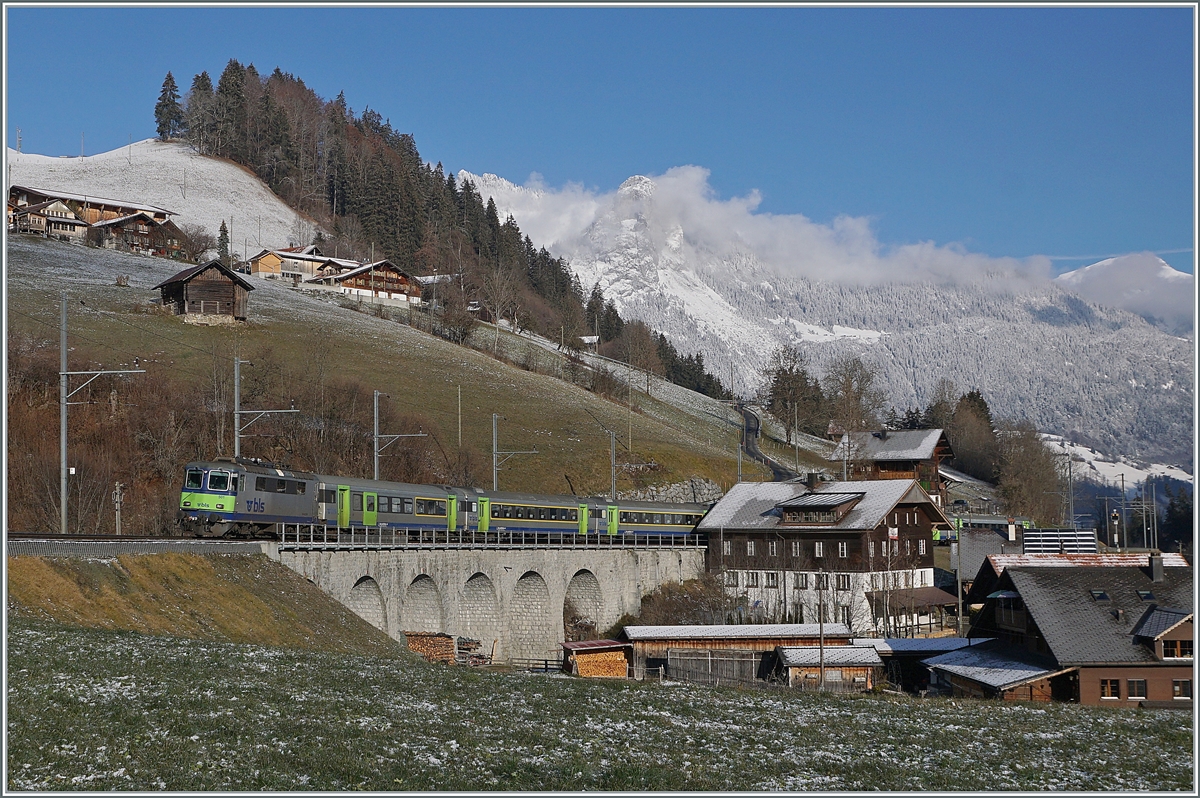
x=1013, y=132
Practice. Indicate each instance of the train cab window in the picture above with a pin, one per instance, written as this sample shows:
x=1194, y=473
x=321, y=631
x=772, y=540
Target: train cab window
x=301, y=487
x=218, y=480
x=356, y=502
x=234, y=481
x=194, y=479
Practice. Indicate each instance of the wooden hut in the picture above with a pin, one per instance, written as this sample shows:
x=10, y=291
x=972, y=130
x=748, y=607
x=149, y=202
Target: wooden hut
x=207, y=290
x=592, y=658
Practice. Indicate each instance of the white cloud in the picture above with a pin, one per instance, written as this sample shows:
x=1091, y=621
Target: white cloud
x=790, y=244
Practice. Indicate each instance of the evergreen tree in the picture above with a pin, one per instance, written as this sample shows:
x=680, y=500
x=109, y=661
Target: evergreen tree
x=168, y=114
x=200, y=113
x=231, y=112
x=223, y=244
x=1176, y=528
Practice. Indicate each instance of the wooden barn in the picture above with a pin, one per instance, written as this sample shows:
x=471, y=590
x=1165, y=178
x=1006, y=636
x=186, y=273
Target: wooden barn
x=207, y=290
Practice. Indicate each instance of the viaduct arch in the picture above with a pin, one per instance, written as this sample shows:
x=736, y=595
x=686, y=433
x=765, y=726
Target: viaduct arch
x=517, y=602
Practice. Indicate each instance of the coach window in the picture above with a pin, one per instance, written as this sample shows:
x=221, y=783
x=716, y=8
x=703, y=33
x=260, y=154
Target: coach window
x=218, y=480
x=194, y=480
x=408, y=506
x=356, y=502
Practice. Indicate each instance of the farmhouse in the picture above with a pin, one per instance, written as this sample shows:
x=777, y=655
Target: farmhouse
x=1115, y=635
x=207, y=290
x=987, y=577
x=51, y=218
x=298, y=263
x=88, y=208
x=139, y=232
x=913, y=454
x=807, y=552
x=382, y=280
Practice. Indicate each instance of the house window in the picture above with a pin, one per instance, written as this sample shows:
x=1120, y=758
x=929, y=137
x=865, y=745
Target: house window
x=752, y=579
x=819, y=549
x=907, y=547
x=1181, y=688
x=843, y=548
x=731, y=578
x=1145, y=595
x=844, y=614
x=801, y=581
x=1136, y=688
x=921, y=547
x=1177, y=649
x=833, y=674
x=822, y=581
x=749, y=548
x=773, y=547
x=726, y=547
x=1110, y=688
x=843, y=581
x=871, y=549
x=795, y=548
x=896, y=547
x=772, y=579
x=1098, y=595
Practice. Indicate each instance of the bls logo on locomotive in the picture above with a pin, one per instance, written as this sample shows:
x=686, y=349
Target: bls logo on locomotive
x=255, y=506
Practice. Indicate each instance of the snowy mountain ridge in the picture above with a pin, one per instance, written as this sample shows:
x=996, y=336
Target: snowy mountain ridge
x=719, y=279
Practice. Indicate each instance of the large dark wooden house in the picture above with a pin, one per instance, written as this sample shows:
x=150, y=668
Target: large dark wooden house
x=209, y=289
x=859, y=553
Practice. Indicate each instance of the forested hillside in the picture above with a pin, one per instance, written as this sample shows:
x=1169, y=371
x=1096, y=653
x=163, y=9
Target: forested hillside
x=367, y=184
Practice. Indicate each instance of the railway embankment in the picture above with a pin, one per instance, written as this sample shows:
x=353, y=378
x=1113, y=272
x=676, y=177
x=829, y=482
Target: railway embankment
x=228, y=597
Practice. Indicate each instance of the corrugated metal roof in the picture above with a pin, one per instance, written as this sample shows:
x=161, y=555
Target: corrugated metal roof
x=917, y=645
x=836, y=656
x=998, y=668
x=89, y=198
x=585, y=645
x=902, y=444
x=1001, y=561
x=734, y=631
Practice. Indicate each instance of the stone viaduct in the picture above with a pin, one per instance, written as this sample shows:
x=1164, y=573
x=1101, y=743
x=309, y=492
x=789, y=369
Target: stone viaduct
x=510, y=598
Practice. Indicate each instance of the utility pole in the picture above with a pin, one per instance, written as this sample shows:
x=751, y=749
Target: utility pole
x=460, y=416
x=612, y=454
x=238, y=426
x=956, y=550
x=117, y=497
x=391, y=438
x=64, y=397
x=821, y=627
x=496, y=460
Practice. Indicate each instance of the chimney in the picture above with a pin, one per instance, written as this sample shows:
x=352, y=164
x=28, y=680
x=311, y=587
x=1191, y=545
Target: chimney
x=1156, y=568
x=811, y=479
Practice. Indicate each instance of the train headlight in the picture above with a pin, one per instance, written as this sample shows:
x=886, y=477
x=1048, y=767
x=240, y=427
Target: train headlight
x=187, y=504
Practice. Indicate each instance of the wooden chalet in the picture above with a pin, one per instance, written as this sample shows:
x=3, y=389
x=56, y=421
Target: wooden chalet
x=897, y=454
x=86, y=207
x=139, y=232
x=52, y=218
x=298, y=263
x=380, y=280
x=207, y=290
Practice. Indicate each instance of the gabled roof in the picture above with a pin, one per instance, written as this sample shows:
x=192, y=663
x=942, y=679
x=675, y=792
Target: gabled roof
x=917, y=598
x=924, y=646
x=1159, y=620
x=990, y=664
x=189, y=273
x=742, y=631
x=120, y=219
x=90, y=198
x=887, y=445
x=834, y=656
x=365, y=268
x=1080, y=630
x=755, y=505
x=988, y=573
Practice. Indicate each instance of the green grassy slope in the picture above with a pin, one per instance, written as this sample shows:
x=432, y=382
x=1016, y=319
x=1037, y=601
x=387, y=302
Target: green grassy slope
x=420, y=372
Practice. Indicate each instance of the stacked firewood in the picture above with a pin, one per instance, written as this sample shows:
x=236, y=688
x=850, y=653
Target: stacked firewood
x=600, y=663
x=433, y=646
x=469, y=652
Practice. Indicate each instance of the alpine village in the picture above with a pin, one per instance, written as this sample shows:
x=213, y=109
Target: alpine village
x=939, y=552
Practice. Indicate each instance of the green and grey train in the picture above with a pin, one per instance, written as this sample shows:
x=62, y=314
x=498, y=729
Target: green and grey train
x=245, y=498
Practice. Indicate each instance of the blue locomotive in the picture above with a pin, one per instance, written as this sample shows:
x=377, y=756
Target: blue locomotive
x=245, y=498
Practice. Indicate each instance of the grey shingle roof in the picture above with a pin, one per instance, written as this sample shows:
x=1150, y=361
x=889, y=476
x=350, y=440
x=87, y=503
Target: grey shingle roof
x=734, y=631
x=836, y=656
x=1080, y=630
x=904, y=444
x=996, y=667
x=753, y=505
x=987, y=575
x=1158, y=620
x=927, y=646
x=821, y=499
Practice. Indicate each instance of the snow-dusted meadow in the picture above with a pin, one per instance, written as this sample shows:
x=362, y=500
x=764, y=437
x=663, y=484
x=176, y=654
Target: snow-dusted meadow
x=101, y=710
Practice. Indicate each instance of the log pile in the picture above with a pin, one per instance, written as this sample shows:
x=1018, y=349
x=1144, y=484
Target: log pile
x=470, y=653
x=433, y=646
x=600, y=663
